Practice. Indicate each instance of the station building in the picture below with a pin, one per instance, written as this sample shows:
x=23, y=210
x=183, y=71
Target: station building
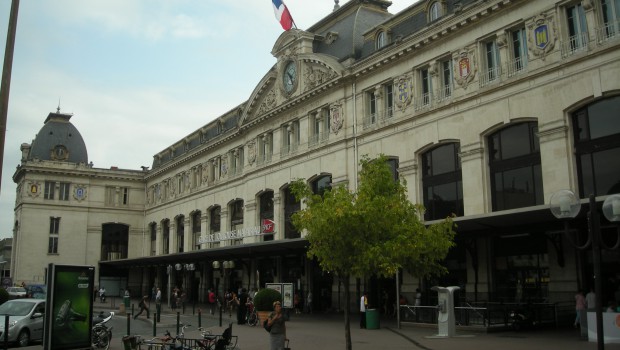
x=486, y=108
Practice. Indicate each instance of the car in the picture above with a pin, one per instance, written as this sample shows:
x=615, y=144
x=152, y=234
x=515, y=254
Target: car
x=16, y=292
x=37, y=291
x=25, y=320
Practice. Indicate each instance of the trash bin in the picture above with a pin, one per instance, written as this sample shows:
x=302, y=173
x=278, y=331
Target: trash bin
x=129, y=342
x=372, y=319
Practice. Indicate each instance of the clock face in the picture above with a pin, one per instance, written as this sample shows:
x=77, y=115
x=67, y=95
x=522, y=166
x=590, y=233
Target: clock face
x=290, y=76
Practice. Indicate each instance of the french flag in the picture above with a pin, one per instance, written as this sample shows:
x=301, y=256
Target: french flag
x=282, y=14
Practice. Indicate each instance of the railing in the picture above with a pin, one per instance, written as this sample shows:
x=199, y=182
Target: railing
x=490, y=75
x=574, y=44
x=486, y=314
x=422, y=101
x=516, y=66
x=610, y=31
x=444, y=93
x=370, y=120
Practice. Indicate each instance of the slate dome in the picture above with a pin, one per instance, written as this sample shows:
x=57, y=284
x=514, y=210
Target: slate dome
x=59, y=140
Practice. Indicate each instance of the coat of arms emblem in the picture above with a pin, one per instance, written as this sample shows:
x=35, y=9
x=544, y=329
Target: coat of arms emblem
x=542, y=35
x=404, y=91
x=336, y=119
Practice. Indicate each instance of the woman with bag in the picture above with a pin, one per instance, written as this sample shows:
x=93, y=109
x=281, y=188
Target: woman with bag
x=277, y=326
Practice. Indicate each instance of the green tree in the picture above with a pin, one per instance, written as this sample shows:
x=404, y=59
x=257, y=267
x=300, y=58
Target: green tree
x=375, y=230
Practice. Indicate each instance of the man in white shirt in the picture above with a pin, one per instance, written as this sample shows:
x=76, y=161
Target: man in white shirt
x=591, y=299
x=363, y=306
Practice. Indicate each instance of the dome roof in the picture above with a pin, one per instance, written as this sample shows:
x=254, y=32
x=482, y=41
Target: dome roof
x=59, y=140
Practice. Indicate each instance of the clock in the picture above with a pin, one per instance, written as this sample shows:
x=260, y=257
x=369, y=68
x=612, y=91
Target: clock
x=289, y=76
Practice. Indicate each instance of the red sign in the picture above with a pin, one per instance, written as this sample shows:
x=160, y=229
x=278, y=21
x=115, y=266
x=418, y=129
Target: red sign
x=268, y=226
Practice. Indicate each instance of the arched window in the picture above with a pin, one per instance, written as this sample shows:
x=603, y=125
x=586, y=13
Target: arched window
x=596, y=130
x=381, y=40
x=215, y=220
x=436, y=11
x=321, y=184
x=442, y=182
x=266, y=211
x=153, y=231
x=196, y=227
x=514, y=162
x=236, y=218
x=165, y=242
x=180, y=223
x=291, y=206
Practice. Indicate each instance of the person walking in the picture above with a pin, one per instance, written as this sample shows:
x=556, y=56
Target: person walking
x=241, y=306
x=212, y=301
x=309, y=302
x=591, y=300
x=143, y=307
x=277, y=334
x=580, y=307
x=363, y=306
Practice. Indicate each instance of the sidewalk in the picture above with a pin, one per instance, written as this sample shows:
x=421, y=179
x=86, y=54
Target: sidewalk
x=321, y=331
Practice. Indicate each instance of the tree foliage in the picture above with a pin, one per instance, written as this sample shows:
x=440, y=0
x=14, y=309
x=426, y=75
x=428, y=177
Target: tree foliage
x=376, y=230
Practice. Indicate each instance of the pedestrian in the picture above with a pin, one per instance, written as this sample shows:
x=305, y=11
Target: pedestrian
x=153, y=293
x=212, y=301
x=309, y=302
x=173, y=300
x=580, y=306
x=418, y=297
x=297, y=301
x=102, y=294
x=277, y=334
x=591, y=300
x=158, y=296
x=241, y=306
x=363, y=306
x=143, y=307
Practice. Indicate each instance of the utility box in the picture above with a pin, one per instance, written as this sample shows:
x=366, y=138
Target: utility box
x=446, y=320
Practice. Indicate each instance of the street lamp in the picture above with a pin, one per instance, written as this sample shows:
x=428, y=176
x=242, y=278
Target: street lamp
x=565, y=205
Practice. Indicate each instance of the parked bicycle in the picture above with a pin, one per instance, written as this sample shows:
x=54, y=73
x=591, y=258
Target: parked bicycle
x=251, y=316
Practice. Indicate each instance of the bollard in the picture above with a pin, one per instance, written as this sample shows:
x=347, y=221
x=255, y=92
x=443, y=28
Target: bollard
x=194, y=308
x=128, y=324
x=178, y=321
x=6, y=334
x=220, y=315
x=158, y=311
x=199, y=318
x=155, y=318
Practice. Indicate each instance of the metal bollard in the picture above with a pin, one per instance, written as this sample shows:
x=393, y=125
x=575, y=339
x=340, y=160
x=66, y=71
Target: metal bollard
x=199, y=318
x=128, y=324
x=155, y=318
x=178, y=321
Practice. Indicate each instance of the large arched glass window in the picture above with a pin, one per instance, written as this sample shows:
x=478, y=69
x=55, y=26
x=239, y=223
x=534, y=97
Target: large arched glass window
x=180, y=223
x=321, y=184
x=196, y=226
x=215, y=220
x=291, y=206
x=153, y=231
x=236, y=218
x=266, y=212
x=442, y=182
x=165, y=242
x=514, y=162
x=596, y=130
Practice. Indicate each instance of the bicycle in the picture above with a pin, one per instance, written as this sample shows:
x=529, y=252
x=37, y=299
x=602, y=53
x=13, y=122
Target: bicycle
x=165, y=342
x=251, y=315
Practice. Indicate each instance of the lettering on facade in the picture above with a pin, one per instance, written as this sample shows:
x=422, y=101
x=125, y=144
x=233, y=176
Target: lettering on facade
x=267, y=227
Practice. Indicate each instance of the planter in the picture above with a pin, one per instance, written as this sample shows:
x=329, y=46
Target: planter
x=262, y=316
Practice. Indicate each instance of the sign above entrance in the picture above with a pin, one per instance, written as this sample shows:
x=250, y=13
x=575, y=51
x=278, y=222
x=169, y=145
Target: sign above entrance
x=267, y=227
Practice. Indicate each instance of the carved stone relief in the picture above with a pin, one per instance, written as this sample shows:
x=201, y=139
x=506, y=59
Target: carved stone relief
x=337, y=119
x=251, y=152
x=542, y=35
x=465, y=67
x=404, y=91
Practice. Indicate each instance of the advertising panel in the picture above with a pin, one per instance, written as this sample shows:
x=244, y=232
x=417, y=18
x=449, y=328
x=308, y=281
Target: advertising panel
x=286, y=290
x=69, y=307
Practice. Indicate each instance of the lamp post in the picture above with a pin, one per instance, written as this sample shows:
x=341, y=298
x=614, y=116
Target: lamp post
x=564, y=205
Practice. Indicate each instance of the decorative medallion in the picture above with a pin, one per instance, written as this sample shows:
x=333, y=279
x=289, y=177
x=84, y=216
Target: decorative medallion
x=34, y=189
x=465, y=67
x=336, y=119
x=541, y=35
x=59, y=152
x=268, y=103
x=404, y=91
x=79, y=192
x=251, y=152
x=315, y=75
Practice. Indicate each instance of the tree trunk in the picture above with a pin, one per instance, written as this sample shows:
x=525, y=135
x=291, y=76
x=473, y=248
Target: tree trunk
x=347, y=318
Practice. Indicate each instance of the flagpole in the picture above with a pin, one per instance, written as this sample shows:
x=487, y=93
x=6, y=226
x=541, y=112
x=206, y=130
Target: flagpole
x=6, y=78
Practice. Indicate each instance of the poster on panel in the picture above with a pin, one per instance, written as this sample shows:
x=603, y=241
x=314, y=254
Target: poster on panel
x=69, y=307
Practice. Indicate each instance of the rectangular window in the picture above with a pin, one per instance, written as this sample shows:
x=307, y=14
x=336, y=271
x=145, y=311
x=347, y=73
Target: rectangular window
x=425, y=87
x=577, y=28
x=371, y=118
x=125, y=195
x=265, y=147
x=492, y=70
x=53, y=238
x=446, y=79
x=611, y=19
x=519, y=52
x=389, y=100
x=63, y=194
x=49, y=189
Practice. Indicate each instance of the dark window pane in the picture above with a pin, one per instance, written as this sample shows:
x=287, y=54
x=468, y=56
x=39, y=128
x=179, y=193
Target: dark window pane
x=443, y=159
x=607, y=177
x=515, y=141
x=517, y=188
x=604, y=117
